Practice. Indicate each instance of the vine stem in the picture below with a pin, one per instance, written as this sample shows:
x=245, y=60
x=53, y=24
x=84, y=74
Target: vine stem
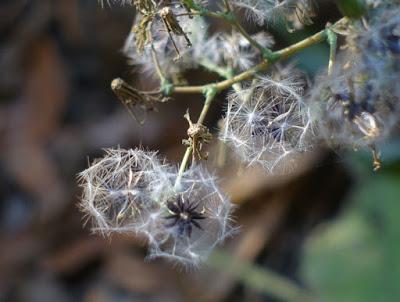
x=157, y=64
x=182, y=167
x=212, y=90
x=332, y=40
x=235, y=23
x=280, y=55
x=210, y=94
x=230, y=17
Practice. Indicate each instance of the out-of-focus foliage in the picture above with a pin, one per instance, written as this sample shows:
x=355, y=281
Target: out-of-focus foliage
x=356, y=257
x=352, y=8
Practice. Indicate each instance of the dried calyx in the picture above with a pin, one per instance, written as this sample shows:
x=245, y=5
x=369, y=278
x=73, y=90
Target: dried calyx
x=198, y=135
x=132, y=98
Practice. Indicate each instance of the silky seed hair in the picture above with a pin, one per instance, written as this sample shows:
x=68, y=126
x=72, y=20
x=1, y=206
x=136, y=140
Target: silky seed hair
x=357, y=105
x=164, y=45
x=117, y=189
x=269, y=124
x=269, y=121
x=134, y=192
x=263, y=11
x=193, y=220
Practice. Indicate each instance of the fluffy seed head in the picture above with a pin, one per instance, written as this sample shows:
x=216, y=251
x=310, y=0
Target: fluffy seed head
x=117, y=189
x=131, y=191
x=195, y=30
x=262, y=11
x=358, y=104
x=192, y=220
x=268, y=123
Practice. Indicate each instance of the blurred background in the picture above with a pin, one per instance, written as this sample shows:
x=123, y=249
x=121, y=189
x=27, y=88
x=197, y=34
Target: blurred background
x=328, y=232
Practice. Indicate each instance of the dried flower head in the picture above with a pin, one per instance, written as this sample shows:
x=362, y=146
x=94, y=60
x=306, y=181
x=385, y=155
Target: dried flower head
x=269, y=121
x=135, y=101
x=184, y=216
x=198, y=136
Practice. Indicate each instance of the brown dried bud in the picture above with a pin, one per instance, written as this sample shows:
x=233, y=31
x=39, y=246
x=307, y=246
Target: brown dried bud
x=131, y=98
x=198, y=135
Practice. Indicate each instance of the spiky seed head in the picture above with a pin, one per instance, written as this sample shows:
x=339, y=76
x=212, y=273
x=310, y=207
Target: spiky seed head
x=192, y=221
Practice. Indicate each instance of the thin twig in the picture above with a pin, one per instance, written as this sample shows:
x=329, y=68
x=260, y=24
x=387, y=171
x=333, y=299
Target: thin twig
x=248, y=74
x=230, y=17
x=157, y=63
x=332, y=40
x=210, y=95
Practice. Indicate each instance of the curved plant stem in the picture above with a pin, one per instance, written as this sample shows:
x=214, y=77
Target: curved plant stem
x=332, y=40
x=157, y=64
x=210, y=93
x=210, y=66
x=230, y=17
x=182, y=167
x=248, y=74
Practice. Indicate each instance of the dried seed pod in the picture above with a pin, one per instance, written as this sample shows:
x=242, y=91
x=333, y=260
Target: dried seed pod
x=173, y=27
x=132, y=98
x=198, y=136
x=184, y=216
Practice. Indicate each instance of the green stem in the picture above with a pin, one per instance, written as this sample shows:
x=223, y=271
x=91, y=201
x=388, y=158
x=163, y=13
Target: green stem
x=210, y=66
x=230, y=17
x=182, y=168
x=157, y=64
x=332, y=40
x=266, y=53
x=210, y=93
x=165, y=86
x=248, y=74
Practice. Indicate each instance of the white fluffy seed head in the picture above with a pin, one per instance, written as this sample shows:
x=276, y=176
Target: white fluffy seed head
x=358, y=104
x=195, y=29
x=177, y=238
x=117, y=189
x=268, y=123
x=231, y=50
x=263, y=11
x=131, y=191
